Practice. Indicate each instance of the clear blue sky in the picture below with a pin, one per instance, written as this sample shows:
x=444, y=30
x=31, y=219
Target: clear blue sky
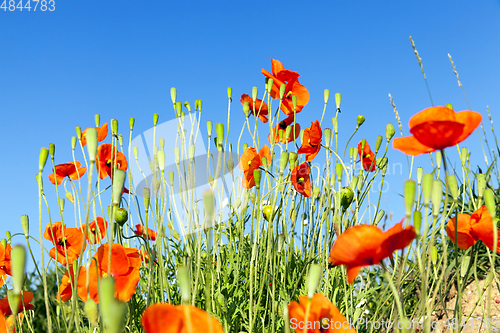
x=120, y=59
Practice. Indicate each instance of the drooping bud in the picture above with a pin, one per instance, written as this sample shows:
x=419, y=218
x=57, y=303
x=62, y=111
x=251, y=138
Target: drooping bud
x=360, y=120
x=389, y=131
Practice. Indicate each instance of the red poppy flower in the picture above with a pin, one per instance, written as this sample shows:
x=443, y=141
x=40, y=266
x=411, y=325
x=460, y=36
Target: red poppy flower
x=107, y=162
x=125, y=264
x=290, y=78
x=102, y=133
x=168, y=318
x=261, y=108
x=97, y=231
x=23, y=304
x=317, y=315
x=141, y=231
x=72, y=239
x=471, y=228
x=71, y=170
x=365, y=245
x=283, y=125
x=436, y=128
x=251, y=161
x=5, y=263
x=65, y=288
x=366, y=156
x=311, y=141
x=300, y=179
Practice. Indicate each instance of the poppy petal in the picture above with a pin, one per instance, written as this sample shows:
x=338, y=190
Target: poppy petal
x=411, y=146
x=471, y=120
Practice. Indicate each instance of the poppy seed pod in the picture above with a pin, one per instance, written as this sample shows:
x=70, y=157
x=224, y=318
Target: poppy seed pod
x=91, y=137
x=360, y=120
x=173, y=94
x=44, y=153
x=389, y=131
x=121, y=216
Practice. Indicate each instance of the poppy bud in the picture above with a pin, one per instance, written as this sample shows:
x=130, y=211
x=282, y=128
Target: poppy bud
x=354, y=183
x=288, y=131
x=293, y=215
x=91, y=136
x=417, y=221
x=328, y=136
x=114, y=126
x=292, y=157
x=360, y=120
x=409, y=196
x=229, y=94
x=18, y=261
x=264, y=162
x=420, y=174
x=255, y=91
x=146, y=195
x=230, y=165
x=294, y=102
x=438, y=159
x=135, y=150
x=481, y=185
x=267, y=212
x=184, y=283
x=175, y=234
x=245, y=146
x=326, y=94
x=335, y=124
x=177, y=154
x=118, y=182
x=434, y=254
x=90, y=309
x=346, y=197
x=97, y=119
x=489, y=200
x=281, y=242
x=61, y=204
x=13, y=299
x=338, y=172
x=8, y=235
x=437, y=197
x=389, y=131
x=449, y=106
x=161, y=160
x=269, y=84
x=451, y=181
x=209, y=128
x=280, y=135
x=132, y=122
x=187, y=106
x=25, y=224
x=360, y=180
x=191, y=152
x=337, y=101
x=316, y=192
x=464, y=155
x=282, y=90
x=173, y=94
x=378, y=143
x=315, y=273
x=44, y=153
x=465, y=266
x=257, y=176
x=379, y=216
x=219, y=129
x=178, y=109
x=52, y=150
x=284, y=161
x=155, y=119
x=120, y=140
x=171, y=177
x=78, y=132
x=427, y=188
x=246, y=108
x=73, y=142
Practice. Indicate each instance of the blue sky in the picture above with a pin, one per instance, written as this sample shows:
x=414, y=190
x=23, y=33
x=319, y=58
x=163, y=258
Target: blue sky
x=58, y=69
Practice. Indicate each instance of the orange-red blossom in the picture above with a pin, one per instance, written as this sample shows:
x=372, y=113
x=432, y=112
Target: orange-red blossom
x=365, y=245
x=261, y=108
x=317, y=315
x=102, y=133
x=311, y=141
x=436, y=128
x=73, y=170
x=366, y=156
x=168, y=318
x=300, y=179
x=471, y=228
x=67, y=241
x=251, y=161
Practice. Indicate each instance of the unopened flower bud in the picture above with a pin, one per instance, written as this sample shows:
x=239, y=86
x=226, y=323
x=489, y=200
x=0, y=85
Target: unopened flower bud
x=346, y=197
x=255, y=91
x=326, y=95
x=18, y=262
x=389, y=131
x=451, y=181
x=257, y=176
x=155, y=119
x=282, y=90
x=173, y=95
x=335, y=124
x=409, y=196
x=114, y=126
x=118, y=182
x=132, y=122
x=52, y=150
x=44, y=153
x=378, y=143
x=360, y=120
x=328, y=136
x=91, y=136
x=417, y=221
x=315, y=274
x=25, y=224
x=337, y=101
x=178, y=109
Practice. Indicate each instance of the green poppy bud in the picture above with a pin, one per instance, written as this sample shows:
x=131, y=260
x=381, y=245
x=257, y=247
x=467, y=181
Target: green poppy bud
x=360, y=120
x=175, y=234
x=315, y=274
x=118, y=182
x=97, y=120
x=326, y=95
x=489, y=200
x=257, y=176
x=114, y=126
x=267, y=212
x=155, y=119
x=338, y=172
x=177, y=155
x=255, y=91
x=146, y=196
x=245, y=146
x=173, y=94
x=284, y=161
x=132, y=122
x=451, y=181
x=420, y=174
x=90, y=309
x=316, y=192
x=91, y=136
x=464, y=155
x=246, y=108
x=73, y=142
x=52, y=150
x=379, y=216
x=184, y=283
x=219, y=129
x=178, y=109
x=438, y=159
x=78, y=132
x=337, y=101
x=427, y=188
x=112, y=311
x=346, y=197
x=191, y=152
x=449, y=106
x=437, y=197
x=25, y=224
x=269, y=85
x=294, y=102
x=434, y=254
x=171, y=178
x=409, y=196
x=464, y=266
x=44, y=153
x=282, y=90
x=328, y=136
x=187, y=106
x=61, y=204
x=209, y=128
x=335, y=124
x=14, y=299
x=378, y=143
x=389, y=131
x=135, y=150
x=229, y=93
x=18, y=261
x=417, y=221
